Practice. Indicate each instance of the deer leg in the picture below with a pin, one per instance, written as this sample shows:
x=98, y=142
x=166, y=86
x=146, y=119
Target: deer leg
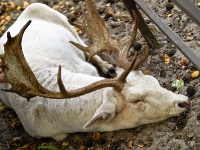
x=107, y=69
x=60, y=137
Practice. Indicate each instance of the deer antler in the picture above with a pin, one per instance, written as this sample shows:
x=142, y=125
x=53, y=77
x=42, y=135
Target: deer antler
x=96, y=31
x=20, y=76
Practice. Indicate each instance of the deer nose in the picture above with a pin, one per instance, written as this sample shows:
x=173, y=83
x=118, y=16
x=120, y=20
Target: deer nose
x=184, y=104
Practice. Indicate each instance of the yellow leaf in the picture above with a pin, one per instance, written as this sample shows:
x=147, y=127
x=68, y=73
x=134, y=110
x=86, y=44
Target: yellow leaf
x=82, y=148
x=198, y=43
x=169, y=15
x=2, y=108
x=96, y=135
x=109, y=11
x=166, y=58
x=7, y=18
x=9, y=9
x=195, y=74
x=183, y=61
x=19, y=7
x=146, y=71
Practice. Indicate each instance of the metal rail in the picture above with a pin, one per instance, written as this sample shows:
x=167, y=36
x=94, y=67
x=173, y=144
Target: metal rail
x=190, y=9
x=180, y=44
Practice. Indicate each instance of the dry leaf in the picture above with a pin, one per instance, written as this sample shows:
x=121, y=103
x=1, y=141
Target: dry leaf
x=146, y=71
x=2, y=108
x=130, y=144
x=108, y=5
x=109, y=11
x=96, y=135
x=195, y=74
x=140, y=145
x=183, y=61
x=198, y=43
x=196, y=85
x=166, y=58
x=72, y=9
x=9, y=9
x=19, y=7
x=25, y=4
x=189, y=38
x=7, y=18
x=198, y=4
x=82, y=148
x=169, y=15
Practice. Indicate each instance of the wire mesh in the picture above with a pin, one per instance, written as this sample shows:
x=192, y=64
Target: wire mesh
x=4, y=145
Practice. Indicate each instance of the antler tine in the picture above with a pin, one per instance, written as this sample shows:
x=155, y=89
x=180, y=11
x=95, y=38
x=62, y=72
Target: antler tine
x=17, y=71
x=122, y=55
x=96, y=31
x=141, y=60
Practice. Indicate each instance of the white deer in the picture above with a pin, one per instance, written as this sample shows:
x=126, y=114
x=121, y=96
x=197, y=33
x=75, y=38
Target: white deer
x=93, y=103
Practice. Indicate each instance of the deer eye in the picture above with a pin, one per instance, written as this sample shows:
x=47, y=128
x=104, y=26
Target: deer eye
x=135, y=101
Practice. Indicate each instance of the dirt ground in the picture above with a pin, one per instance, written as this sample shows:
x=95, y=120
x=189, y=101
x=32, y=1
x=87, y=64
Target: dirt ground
x=176, y=133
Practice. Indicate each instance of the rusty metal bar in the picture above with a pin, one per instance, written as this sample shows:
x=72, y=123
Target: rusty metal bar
x=180, y=44
x=144, y=29
x=190, y=9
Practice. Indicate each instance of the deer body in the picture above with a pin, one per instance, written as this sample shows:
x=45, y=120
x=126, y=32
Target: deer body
x=45, y=46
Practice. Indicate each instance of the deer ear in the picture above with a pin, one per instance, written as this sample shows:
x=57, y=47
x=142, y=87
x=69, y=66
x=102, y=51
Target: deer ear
x=103, y=115
x=98, y=120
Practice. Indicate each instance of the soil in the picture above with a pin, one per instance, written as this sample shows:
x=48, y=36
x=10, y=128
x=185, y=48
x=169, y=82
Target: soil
x=182, y=132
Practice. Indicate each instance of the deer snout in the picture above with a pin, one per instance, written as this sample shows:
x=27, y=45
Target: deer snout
x=185, y=105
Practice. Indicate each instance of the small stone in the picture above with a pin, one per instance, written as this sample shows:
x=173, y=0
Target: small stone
x=137, y=46
x=172, y=52
x=190, y=91
x=88, y=142
x=169, y=6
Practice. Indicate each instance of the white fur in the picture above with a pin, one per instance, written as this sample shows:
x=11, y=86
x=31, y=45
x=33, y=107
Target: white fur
x=46, y=45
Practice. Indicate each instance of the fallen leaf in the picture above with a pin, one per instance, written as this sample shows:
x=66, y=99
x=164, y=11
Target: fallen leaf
x=108, y=5
x=130, y=144
x=196, y=85
x=166, y=58
x=46, y=146
x=96, y=135
x=183, y=61
x=140, y=145
x=189, y=38
x=198, y=4
x=146, y=71
x=2, y=108
x=19, y=7
x=72, y=9
x=169, y=15
x=25, y=146
x=198, y=43
x=178, y=83
x=7, y=18
x=65, y=144
x=26, y=4
x=82, y=148
x=195, y=74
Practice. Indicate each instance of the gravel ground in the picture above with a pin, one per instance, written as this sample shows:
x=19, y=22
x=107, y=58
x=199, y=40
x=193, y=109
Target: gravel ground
x=182, y=132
